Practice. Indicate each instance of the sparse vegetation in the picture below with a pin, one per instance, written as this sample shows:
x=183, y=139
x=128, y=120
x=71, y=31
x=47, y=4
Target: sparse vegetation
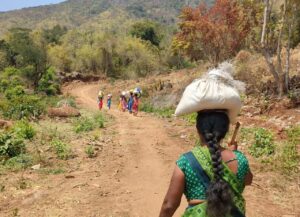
x=161, y=112
x=289, y=158
x=23, y=129
x=263, y=143
x=19, y=162
x=62, y=149
x=10, y=145
x=86, y=124
x=90, y=151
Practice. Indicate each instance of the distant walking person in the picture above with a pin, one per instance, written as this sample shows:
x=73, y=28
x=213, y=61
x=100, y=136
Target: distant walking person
x=123, y=102
x=130, y=101
x=135, y=106
x=109, y=98
x=100, y=100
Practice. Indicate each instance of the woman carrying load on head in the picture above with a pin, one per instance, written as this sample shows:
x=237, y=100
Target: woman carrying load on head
x=136, y=100
x=130, y=101
x=211, y=177
x=123, y=102
x=100, y=100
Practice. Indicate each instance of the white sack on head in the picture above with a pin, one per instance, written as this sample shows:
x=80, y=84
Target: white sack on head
x=216, y=90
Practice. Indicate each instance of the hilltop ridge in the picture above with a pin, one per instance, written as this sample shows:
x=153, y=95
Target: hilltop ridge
x=74, y=13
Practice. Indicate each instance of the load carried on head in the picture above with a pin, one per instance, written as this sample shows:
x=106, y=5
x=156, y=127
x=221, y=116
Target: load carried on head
x=217, y=90
x=137, y=91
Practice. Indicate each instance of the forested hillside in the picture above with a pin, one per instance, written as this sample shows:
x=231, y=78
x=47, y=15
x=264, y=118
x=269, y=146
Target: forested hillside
x=74, y=13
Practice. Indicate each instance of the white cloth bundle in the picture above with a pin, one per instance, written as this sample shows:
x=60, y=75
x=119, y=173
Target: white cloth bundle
x=216, y=90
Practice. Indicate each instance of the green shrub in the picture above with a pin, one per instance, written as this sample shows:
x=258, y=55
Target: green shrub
x=11, y=145
x=19, y=162
x=84, y=124
x=90, y=151
x=10, y=78
x=13, y=92
x=23, y=106
x=162, y=112
x=24, y=130
x=62, y=150
x=289, y=158
x=147, y=107
x=263, y=143
x=191, y=118
x=67, y=101
x=99, y=120
x=49, y=82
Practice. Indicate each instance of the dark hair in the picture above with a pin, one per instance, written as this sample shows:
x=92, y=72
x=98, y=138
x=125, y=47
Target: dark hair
x=213, y=126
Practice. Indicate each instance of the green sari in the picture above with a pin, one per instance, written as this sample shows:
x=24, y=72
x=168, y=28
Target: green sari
x=205, y=172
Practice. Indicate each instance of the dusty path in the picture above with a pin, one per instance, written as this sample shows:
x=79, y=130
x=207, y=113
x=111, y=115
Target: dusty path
x=148, y=156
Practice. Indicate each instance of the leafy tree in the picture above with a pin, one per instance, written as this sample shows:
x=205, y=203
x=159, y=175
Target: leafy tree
x=284, y=39
x=146, y=30
x=52, y=36
x=27, y=52
x=49, y=82
x=215, y=33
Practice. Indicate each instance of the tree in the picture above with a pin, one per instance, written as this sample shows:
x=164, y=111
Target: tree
x=215, y=33
x=284, y=27
x=146, y=30
x=26, y=52
x=52, y=36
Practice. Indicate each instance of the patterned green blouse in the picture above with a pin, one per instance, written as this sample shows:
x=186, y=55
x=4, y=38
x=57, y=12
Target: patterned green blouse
x=195, y=189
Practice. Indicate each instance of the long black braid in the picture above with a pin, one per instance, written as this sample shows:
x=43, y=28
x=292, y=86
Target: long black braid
x=213, y=126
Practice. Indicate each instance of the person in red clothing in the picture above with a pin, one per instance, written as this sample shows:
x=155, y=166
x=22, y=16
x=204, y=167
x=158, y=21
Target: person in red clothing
x=100, y=100
x=135, y=107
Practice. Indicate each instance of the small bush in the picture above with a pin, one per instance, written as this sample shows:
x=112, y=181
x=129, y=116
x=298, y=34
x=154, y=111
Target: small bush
x=62, y=150
x=11, y=145
x=162, y=112
x=99, y=120
x=67, y=101
x=19, y=162
x=90, y=151
x=13, y=92
x=24, y=130
x=49, y=83
x=147, y=107
x=24, y=106
x=263, y=143
x=289, y=158
x=84, y=124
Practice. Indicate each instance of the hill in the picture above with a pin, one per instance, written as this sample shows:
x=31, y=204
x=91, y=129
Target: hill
x=74, y=13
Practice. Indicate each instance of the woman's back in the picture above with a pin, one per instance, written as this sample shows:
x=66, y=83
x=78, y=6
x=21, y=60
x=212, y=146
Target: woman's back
x=195, y=189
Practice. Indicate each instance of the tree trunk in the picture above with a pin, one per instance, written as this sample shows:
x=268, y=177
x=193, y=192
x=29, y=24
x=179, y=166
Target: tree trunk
x=288, y=54
x=272, y=68
x=265, y=21
x=279, y=50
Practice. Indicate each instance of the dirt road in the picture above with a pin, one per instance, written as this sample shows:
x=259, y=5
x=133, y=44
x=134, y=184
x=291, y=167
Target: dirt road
x=148, y=156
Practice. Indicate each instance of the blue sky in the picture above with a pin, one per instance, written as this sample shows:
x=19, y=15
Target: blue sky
x=7, y=5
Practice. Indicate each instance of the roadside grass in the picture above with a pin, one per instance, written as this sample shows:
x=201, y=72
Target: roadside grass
x=87, y=123
x=278, y=155
x=160, y=112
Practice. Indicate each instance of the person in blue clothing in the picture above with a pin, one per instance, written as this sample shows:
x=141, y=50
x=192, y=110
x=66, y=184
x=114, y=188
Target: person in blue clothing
x=130, y=101
x=109, y=96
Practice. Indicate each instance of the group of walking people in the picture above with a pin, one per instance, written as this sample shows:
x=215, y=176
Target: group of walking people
x=128, y=101
x=100, y=99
